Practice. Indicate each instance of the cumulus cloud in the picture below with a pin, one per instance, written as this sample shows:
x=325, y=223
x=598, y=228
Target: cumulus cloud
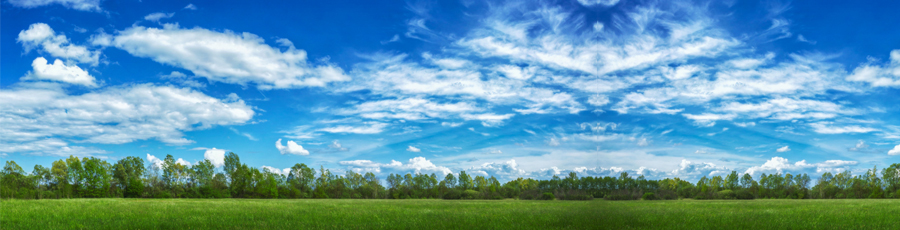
x=413, y=149
x=284, y=171
x=504, y=171
x=112, y=115
x=415, y=165
x=227, y=56
x=82, y=5
x=154, y=161
x=41, y=37
x=158, y=163
x=291, y=148
x=895, y=150
x=58, y=71
x=782, y=165
x=214, y=155
x=783, y=149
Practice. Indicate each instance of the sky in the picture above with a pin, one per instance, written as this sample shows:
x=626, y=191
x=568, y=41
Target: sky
x=508, y=89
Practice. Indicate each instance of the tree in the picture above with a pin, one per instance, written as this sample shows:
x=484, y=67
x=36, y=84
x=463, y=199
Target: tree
x=731, y=181
x=450, y=180
x=97, y=176
x=465, y=181
x=232, y=164
x=12, y=179
x=75, y=173
x=128, y=172
x=746, y=180
x=42, y=177
x=60, y=172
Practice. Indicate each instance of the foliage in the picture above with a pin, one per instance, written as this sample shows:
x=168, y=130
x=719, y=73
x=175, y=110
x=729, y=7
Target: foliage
x=131, y=177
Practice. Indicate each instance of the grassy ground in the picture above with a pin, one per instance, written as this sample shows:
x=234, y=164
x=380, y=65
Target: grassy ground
x=446, y=214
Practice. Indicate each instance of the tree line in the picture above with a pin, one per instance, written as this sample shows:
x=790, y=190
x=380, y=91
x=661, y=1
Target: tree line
x=130, y=177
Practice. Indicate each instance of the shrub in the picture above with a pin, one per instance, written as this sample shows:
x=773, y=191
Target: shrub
x=548, y=196
x=452, y=194
x=470, y=195
x=743, y=194
x=726, y=194
x=134, y=189
x=648, y=196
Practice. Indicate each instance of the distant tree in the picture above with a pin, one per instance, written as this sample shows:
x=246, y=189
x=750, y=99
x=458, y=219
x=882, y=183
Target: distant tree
x=731, y=181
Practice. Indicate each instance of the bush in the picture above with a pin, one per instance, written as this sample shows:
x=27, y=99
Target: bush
x=743, y=194
x=470, y=195
x=134, y=189
x=452, y=194
x=726, y=194
x=648, y=196
x=548, y=196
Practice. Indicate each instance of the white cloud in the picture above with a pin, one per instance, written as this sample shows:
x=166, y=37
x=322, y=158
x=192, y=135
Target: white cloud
x=553, y=142
x=488, y=119
x=226, y=57
x=708, y=119
x=214, y=155
x=393, y=39
x=370, y=128
x=41, y=37
x=337, y=145
x=598, y=100
x=783, y=149
x=409, y=109
x=879, y=76
x=693, y=171
x=643, y=142
x=182, y=162
x=285, y=171
x=183, y=79
x=58, y=71
x=48, y=147
x=787, y=109
x=745, y=124
x=828, y=128
x=895, y=150
x=451, y=124
x=155, y=161
x=112, y=115
x=190, y=6
x=504, y=171
x=155, y=17
x=413, y=149
x=606, y=3
x=415, y=165
x=781, y=165
x=291, y=148
x=247, y=135
x=83, y=5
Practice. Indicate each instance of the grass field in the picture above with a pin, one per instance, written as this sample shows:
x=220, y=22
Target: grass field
x=446, y=214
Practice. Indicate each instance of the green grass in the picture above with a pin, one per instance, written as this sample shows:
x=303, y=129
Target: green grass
x=446, y=214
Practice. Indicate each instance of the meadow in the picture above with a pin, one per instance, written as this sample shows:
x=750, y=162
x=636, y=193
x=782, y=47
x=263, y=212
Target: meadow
x=111, y=213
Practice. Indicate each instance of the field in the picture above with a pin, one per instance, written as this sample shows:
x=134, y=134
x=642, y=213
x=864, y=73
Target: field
x=446, y=214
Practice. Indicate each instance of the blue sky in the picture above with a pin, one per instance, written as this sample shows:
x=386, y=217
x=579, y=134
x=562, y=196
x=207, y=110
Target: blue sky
x=504, y=88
